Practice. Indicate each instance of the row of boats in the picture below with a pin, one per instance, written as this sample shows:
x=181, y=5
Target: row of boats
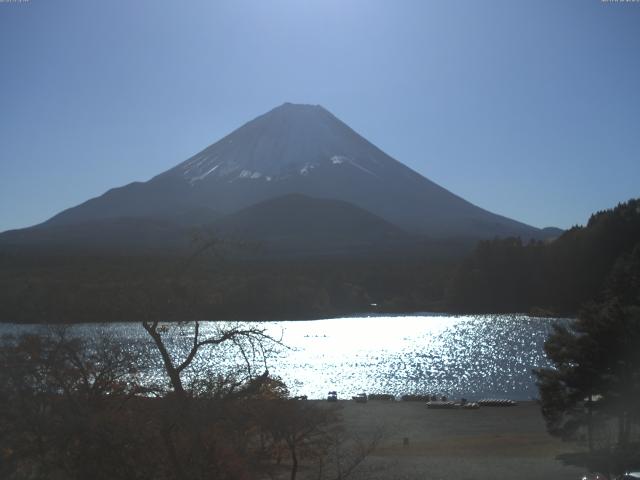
x=432, y=401
x=498, y=402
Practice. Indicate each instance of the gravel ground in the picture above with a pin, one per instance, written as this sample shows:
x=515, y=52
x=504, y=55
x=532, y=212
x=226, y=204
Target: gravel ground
x=489, y=443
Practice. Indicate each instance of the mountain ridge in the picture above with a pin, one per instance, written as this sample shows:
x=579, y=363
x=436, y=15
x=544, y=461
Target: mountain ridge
x=287, y=226
x=296, y=224
x=297, y=149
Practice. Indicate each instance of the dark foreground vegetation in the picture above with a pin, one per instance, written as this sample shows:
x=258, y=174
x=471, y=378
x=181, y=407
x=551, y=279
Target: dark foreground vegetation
x=73, y=409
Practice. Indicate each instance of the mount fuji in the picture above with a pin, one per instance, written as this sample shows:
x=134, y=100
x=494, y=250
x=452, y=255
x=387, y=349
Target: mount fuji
x=291, y=151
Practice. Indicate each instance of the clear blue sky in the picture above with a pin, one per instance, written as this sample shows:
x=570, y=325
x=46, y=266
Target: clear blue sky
x=528, y=109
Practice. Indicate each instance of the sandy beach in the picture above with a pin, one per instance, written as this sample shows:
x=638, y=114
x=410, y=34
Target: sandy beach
x=488, y=443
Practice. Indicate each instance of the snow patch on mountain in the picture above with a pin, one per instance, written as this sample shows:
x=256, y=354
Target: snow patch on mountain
x=205, y=174
x=342, y=159
x=307, y=168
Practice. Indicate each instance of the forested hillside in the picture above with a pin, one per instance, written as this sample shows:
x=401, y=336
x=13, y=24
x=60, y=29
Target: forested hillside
x=502, y=275
x=108, y=289
x=507, y=275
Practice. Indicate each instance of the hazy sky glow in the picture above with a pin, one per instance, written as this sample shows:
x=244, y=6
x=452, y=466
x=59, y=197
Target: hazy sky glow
x=527, y=109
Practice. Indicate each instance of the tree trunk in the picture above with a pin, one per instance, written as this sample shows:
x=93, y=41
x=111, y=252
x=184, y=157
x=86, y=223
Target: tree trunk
x=590, y=422
x=172, y=371
x=622, y=434
x=294, y=461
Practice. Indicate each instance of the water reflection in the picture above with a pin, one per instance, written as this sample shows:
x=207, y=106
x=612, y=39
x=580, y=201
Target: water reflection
x=470, y=356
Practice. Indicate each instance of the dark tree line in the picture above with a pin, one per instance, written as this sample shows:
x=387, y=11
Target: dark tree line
x=508, y=275
x=64, y=289
x=74, y=408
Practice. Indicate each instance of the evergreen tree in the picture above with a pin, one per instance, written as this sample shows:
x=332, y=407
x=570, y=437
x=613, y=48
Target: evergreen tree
x=595, y=377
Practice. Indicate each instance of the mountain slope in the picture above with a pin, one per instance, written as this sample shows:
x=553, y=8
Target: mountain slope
x=296, y=224
x=116, y=235
x=299, y=149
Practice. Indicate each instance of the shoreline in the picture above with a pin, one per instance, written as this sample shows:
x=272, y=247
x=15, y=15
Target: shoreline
x=346, y=316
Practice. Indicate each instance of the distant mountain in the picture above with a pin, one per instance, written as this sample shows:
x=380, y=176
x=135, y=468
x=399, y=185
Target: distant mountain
x=551, y=233
x=297, y=224
x=293, y=225
x=293, y=149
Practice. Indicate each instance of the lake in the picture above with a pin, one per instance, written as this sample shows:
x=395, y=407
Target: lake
x=457, y=356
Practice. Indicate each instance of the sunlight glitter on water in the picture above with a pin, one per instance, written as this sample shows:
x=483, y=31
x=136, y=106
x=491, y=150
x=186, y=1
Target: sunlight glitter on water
x=470, y=356
x=463, y=356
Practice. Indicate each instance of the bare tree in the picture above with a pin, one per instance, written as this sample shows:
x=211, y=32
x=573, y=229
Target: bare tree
x=241, y=336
